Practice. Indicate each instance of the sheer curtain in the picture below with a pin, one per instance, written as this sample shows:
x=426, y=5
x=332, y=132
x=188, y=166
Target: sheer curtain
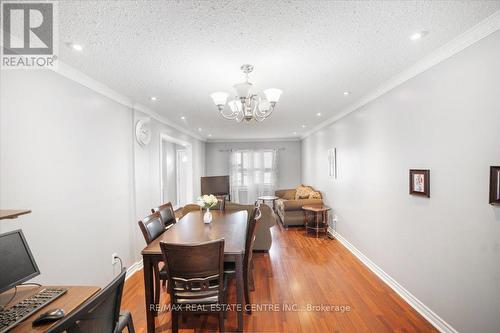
x=253, y=173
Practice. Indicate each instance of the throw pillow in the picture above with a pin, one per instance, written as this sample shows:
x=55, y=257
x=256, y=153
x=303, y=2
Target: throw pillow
x=314, y=195
x=302, y=192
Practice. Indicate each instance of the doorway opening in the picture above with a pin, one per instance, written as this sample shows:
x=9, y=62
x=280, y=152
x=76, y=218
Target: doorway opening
x=176, y=170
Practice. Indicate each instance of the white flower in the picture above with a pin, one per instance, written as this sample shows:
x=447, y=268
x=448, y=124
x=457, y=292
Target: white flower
x=207, y=201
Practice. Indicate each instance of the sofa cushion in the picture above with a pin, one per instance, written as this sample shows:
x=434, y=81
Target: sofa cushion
x=289, y=195
x=289, y=205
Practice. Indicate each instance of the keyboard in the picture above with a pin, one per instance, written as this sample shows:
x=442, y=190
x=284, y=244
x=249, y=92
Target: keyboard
x=14, y=315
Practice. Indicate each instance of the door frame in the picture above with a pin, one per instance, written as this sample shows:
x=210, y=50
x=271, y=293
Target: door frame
x=178, y=164
x=189, y=174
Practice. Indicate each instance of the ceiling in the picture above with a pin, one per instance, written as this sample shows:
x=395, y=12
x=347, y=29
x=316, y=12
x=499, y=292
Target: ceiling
x=182, y=51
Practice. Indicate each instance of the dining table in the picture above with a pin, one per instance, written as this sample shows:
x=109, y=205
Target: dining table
x=191, y=229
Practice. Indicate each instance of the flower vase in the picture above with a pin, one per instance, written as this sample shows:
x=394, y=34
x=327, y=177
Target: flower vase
x=207, y=217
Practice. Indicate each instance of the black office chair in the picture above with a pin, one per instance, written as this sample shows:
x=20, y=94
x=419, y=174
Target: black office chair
x=101, y=313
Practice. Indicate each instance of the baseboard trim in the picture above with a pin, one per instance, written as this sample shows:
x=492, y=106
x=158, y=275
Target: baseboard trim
x=134, y=268
x=438, y=322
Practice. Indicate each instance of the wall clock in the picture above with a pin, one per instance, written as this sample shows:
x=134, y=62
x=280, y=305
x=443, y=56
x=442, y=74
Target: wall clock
x=143, y=132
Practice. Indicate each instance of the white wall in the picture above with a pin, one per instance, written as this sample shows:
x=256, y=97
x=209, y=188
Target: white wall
x=217, y=161
x=147, y=170
x=444, y=249
x=69, y=154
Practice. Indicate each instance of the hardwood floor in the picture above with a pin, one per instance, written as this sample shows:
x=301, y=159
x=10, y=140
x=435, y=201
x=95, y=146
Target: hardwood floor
x=300, y=270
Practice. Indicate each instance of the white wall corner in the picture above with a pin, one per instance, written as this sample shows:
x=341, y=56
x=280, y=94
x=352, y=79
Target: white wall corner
x=481, y=30
x=438, y=322
x=79, y=77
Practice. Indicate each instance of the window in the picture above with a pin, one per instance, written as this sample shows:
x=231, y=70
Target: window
x=253, y=173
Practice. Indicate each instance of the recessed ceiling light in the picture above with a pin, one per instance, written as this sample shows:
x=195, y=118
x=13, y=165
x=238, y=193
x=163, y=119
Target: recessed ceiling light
x=294, y=133
x=153, y=98
x=76, y=47
x=183, y=118
x=304, y=126
x=346, y=93
x=418, y=35
x=318, y=114
x=199, y=129
x=209, y=135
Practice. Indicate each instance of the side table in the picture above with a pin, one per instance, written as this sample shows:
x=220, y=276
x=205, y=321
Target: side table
x=320, y=221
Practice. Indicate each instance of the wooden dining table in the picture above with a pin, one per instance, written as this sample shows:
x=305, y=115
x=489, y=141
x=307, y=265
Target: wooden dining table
x=191, y=229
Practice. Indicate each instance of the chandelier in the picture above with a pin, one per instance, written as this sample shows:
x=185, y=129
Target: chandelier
x=246, y=105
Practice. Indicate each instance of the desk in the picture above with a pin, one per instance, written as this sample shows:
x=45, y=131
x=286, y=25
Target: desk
x=74, y=297
x=12, y=213
x=231, y=226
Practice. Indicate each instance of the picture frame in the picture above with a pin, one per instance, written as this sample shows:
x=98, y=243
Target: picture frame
x=420, y=182
x=332, y=162
x=495, y=185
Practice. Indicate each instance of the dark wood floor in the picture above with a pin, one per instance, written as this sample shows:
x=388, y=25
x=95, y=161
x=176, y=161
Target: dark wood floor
x=301, y=270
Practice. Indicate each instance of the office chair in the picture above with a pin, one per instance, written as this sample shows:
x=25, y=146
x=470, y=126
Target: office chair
x=101, y=313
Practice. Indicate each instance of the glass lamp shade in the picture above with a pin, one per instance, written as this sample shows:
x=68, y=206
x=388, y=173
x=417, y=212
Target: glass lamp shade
x=273, y=94
x=243, y=89
x=264, y=106
x=219, y=97
x=235, y=105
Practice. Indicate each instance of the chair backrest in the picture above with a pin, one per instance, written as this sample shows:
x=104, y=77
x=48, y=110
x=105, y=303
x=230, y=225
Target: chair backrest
x=195, y=271
x=151, y=226
x=221, y=204
x=166, y=212
x=190, y=208
x=250, y=237
x=98, y=314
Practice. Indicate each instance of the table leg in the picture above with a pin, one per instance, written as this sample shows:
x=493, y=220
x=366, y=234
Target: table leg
x=325, y=222
x=239, y=290
x=148, y=292
x=317, y=225
x=305, y=220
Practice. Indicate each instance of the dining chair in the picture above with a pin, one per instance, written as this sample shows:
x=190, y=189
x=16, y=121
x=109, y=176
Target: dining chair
x=189, y=208
x=195, y=279
x=101, y=313
x=167, y=213
x=230, y=267
x=152, y=226
x=221, y=204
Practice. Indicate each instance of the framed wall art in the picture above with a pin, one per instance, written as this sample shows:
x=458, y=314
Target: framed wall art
x=495, y=185
x=420, y=182
x=332, y=162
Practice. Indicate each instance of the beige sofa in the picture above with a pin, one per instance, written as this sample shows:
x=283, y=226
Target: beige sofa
x=263, y=239
x=290, y=209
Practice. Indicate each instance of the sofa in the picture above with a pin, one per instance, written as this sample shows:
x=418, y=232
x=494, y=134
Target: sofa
x=263, y=239
x=289, y=204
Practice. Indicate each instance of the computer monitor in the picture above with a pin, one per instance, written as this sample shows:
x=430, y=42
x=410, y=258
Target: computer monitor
x=16, y=261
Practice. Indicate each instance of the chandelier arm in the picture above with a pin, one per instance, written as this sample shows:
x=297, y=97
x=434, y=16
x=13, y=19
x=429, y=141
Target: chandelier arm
x=232, y=116
x=261, y=113
x=268, y=112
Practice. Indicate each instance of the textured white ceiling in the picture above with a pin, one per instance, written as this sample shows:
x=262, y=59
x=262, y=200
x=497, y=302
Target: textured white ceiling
x=181, y=51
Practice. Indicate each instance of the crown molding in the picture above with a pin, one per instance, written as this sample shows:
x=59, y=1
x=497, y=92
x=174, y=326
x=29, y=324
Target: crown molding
x=79, y=77
x=481, y=30
x=253, y=140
